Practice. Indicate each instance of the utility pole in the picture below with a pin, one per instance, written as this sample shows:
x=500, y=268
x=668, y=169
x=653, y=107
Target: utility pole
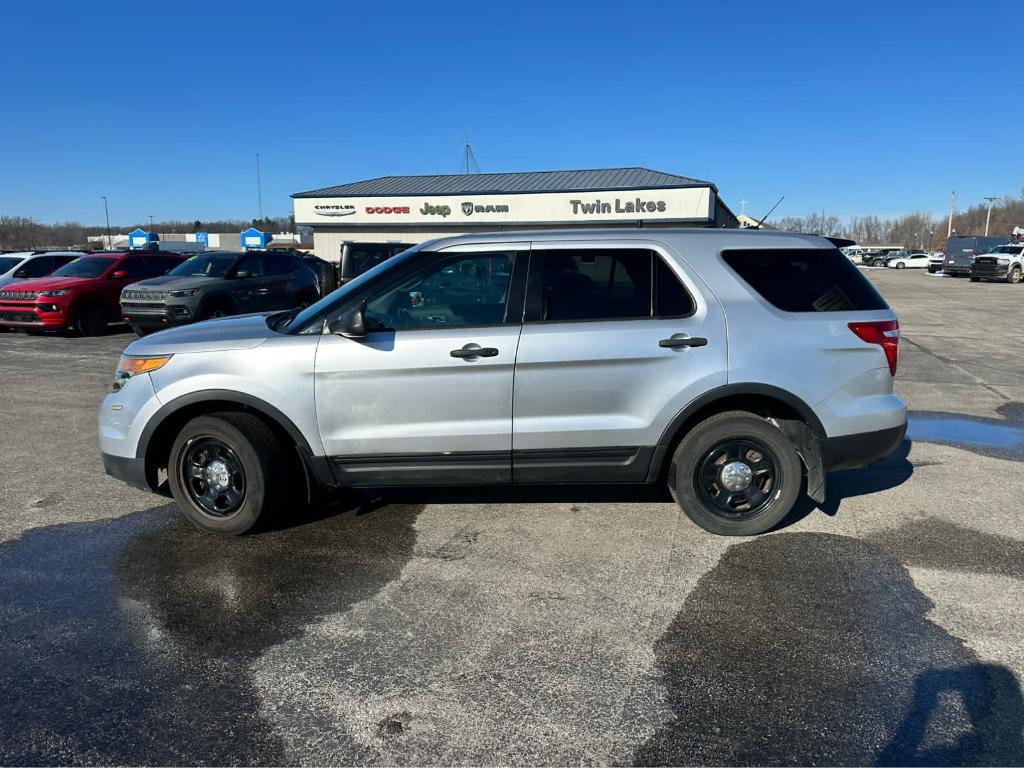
x=259, y=189
x=151, y=222
x=107, y=214
x=952, y=207
x=988, y=218
x=823, y=221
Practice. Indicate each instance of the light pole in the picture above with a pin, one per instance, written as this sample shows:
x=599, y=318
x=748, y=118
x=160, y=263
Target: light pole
x=988, y=218
x=259, y=189
x=107, y=214
x=151, y=222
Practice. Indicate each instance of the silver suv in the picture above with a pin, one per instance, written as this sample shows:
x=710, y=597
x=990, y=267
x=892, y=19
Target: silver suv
x=738, y=367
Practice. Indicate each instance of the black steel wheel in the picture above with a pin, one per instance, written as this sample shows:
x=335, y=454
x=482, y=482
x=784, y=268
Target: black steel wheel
x=738, y=478
x=213, y=475
x=228, y=471
x=736, y=474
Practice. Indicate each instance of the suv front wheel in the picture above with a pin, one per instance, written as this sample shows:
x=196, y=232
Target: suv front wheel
x=736, y=474
x=226, y=472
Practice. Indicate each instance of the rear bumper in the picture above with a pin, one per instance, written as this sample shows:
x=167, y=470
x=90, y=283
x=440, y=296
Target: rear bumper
x=853, y=451
x=955, y=269
x=127, y=470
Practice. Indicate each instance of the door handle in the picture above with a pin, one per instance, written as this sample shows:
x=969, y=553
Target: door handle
x=475, y=352
x=675, y=342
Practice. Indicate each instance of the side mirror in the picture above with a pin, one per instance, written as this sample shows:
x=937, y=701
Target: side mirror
x=242, y=274
x=350, y=323
x=119, y=275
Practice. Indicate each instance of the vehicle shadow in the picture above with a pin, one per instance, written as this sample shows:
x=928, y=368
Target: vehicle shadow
x=516, y=494
x=895, y=469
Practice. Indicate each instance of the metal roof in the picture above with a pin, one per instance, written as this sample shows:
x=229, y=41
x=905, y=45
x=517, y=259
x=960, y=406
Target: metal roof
x=509, y=183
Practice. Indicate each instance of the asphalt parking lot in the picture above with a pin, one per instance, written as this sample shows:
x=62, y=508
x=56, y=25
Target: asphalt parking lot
x=555, y=627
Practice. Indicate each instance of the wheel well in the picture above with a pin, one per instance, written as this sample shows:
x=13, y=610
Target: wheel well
x=158, y=448
x=762, y=405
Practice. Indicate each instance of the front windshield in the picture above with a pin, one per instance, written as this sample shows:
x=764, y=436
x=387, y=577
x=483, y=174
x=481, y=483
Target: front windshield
x=89, y=266
x=297, y=323
x=1011, y=249
x=7, y=263
x=207, y=265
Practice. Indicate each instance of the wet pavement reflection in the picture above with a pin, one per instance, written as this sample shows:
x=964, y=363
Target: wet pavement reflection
x=1001, y=438
x=128, y=640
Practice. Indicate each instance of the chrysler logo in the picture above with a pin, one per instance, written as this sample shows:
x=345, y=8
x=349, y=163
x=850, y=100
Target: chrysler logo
x=335, y=210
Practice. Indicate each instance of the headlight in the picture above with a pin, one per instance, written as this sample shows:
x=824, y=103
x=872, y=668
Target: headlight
x=182, y=293
x=58, y=292
x=1002, y=262
x=129, y=366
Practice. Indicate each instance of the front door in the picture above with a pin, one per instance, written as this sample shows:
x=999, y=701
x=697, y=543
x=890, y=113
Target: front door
x=616, y=342
x=426, y=396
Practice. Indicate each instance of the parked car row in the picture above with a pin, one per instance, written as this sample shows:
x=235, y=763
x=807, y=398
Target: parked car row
x=85, y=292
x=979, y=258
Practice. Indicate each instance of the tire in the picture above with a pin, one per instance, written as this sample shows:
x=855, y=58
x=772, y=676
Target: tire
x=900, y=265
x=252, y=480
x=1013, y=277
x=90, y=320
x=772, y=491
x=974, y=279
x=140, y=331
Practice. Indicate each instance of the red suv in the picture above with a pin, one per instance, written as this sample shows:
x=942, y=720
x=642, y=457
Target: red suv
x=83, y=295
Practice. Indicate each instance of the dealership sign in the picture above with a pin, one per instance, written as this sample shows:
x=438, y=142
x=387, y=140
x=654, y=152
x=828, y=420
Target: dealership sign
x=685, y=204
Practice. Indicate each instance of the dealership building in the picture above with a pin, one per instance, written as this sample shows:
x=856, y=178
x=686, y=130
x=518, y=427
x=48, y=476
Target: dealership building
x=411, y=209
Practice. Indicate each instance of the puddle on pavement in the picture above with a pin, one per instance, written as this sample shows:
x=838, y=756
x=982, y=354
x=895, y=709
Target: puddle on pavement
x=816, y=649
x=989, y=437
x=129, y=641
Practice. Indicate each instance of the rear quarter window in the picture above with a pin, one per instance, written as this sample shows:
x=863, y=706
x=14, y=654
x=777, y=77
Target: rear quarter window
x=805, y=280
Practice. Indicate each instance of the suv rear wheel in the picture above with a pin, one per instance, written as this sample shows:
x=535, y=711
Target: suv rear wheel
x=736, y=474
x=227, y=473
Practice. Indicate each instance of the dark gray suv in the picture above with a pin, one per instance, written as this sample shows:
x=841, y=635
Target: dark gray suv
x=216, y=284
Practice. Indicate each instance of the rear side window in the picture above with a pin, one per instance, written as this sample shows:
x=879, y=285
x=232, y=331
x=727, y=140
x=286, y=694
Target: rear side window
x=805, y=280
x=279, y=264
x=606, y=284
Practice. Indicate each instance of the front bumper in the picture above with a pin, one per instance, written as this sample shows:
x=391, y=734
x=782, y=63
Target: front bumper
x=156, y=316
x=32, y=316
x=127, y=470
x=854, y=451
x=990, y=271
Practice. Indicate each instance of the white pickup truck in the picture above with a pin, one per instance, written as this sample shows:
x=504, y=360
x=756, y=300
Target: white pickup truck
x=1004, y=263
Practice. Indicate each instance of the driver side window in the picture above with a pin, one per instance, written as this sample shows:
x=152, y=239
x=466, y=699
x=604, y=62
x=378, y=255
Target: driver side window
x=457, y=290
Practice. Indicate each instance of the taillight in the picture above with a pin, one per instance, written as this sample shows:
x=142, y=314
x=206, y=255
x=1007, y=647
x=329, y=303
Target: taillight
x=885, y=333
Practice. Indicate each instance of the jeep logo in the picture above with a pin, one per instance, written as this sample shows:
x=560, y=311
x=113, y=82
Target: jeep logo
x=435, y=210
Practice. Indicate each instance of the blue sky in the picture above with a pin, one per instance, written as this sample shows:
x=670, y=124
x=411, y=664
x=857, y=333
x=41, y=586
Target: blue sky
x=855, y=107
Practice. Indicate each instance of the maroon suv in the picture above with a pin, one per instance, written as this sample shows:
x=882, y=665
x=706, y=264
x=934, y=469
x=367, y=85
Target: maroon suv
x=83, y=295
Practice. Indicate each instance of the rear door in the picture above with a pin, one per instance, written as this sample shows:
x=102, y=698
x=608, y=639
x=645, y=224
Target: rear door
x=426, y=396
x=617, y=340
x=277, y=291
